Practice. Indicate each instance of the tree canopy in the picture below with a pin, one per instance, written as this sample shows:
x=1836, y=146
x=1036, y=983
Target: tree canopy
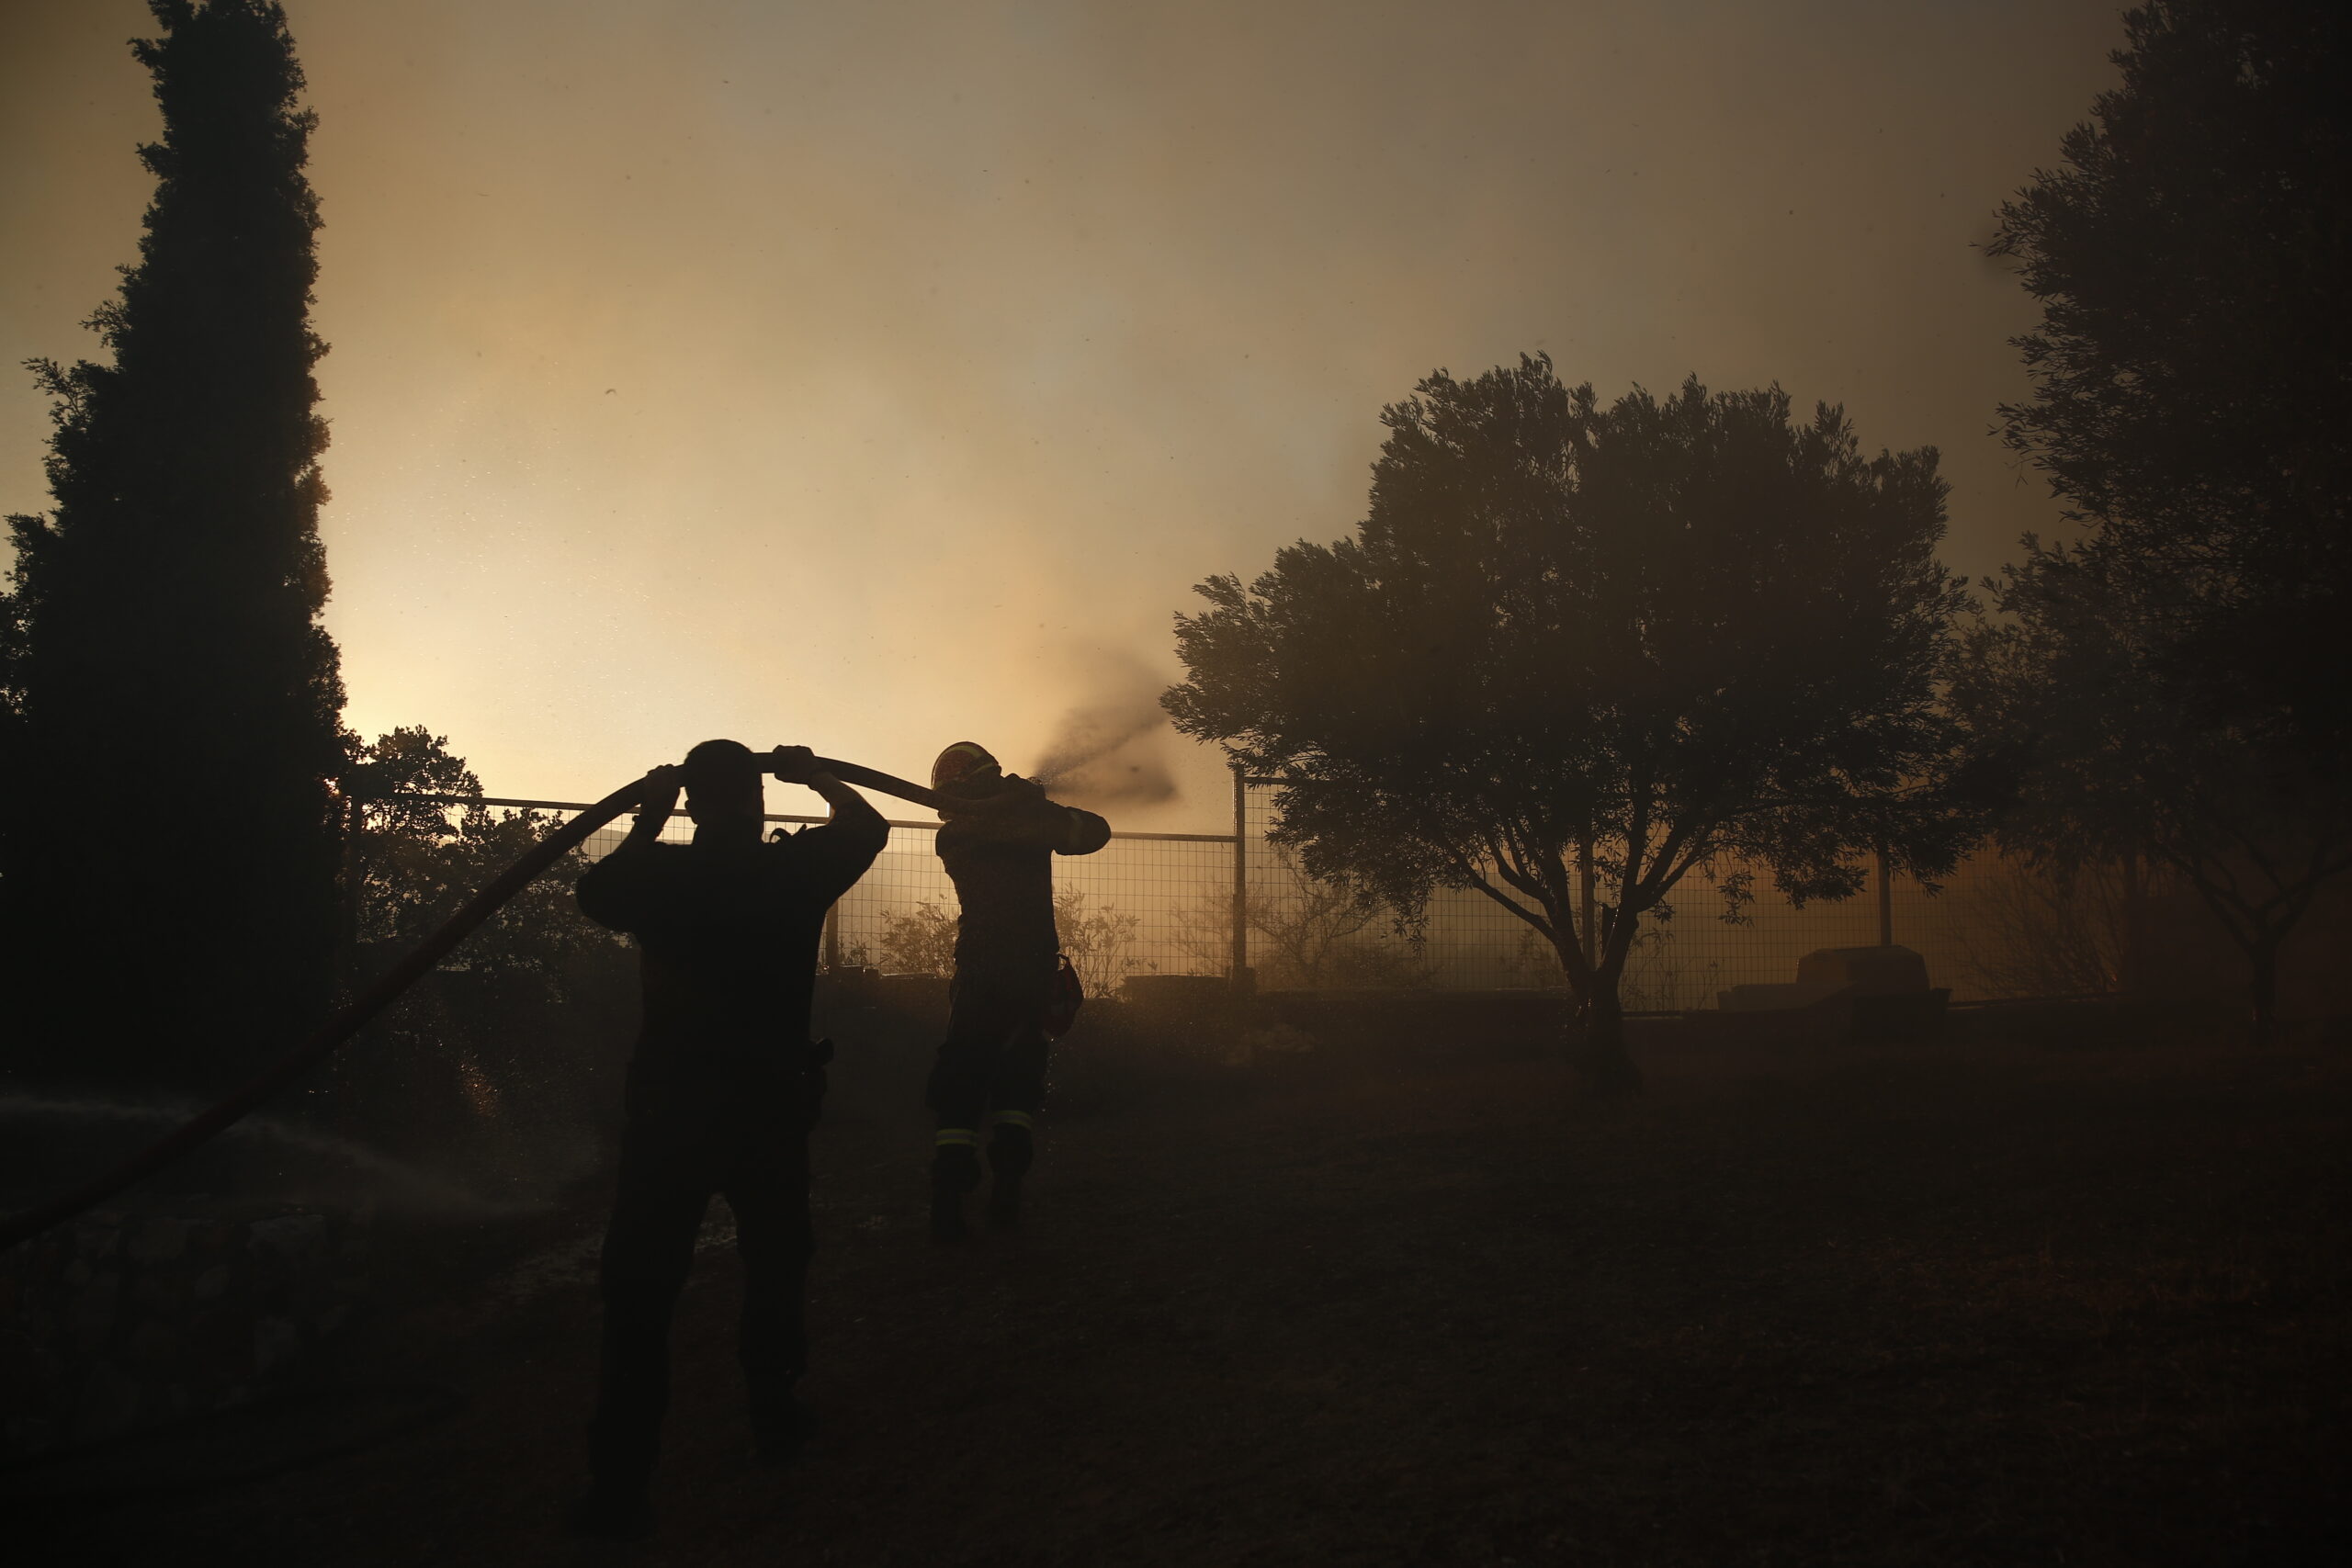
x=2173, y=681
x=2192, y=372
x=1666, y=636
x=514, y=1024
x=2114, y=771
x=168, y=840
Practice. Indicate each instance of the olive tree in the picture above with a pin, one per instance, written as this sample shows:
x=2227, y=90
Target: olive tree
x=1574, y=655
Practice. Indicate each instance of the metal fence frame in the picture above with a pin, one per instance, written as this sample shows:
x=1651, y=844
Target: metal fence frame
x=1186, y=903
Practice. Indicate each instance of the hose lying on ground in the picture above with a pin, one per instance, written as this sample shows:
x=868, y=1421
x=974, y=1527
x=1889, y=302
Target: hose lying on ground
x=355, y=1014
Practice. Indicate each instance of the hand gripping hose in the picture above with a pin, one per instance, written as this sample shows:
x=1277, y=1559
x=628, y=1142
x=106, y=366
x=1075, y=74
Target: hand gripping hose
x=355, y=1014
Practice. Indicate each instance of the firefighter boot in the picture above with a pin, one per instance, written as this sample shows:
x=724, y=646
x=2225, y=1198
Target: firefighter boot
x=1012, y=1148
x=955, y=1170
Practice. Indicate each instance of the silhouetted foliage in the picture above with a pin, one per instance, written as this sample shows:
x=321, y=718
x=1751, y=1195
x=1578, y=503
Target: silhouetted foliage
x=2029, y=931
x=1308, y=934
x=394, y=779
x=1099, y=943
x=2175, y=683
x=1685, y=631
x=2192, y=373
x=2117, y=769
x=418, y=858
x=169, y=840
x=922, y=940
x=513, y=1027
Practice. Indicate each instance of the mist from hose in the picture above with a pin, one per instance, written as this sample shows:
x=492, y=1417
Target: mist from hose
x=338, y=1164
x=1111, y=750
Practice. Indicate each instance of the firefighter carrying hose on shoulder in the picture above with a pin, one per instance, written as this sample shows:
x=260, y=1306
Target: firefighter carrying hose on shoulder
x=1012, y=991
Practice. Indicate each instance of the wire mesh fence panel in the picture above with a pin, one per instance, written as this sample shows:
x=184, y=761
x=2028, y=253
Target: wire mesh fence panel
x=1301, y=933
x=1163, y=904
x=1305, y=934
x=1138, y=906
x=1144, y=904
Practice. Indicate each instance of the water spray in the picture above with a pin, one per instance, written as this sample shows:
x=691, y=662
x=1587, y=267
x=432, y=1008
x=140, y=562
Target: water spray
x=356, y=1014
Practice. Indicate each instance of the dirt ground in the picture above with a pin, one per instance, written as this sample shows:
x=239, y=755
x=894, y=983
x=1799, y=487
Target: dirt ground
x=1967, y=1303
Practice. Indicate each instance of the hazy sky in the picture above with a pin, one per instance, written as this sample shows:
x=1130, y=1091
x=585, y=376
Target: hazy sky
x=878, y=375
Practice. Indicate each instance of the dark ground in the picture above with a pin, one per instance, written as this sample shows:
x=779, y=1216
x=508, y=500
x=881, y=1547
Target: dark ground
x=1967, y=1303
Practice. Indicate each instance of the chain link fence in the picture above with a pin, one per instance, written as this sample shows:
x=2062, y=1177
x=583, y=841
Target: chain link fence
x=1144, y=904
x=1303, y=934
x=1152, y=904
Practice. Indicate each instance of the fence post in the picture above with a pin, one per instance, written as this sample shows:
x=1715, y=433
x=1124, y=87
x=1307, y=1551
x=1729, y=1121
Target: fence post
x=354, y=821
x=347, y=917
x=1240, y=882
x=1886, y=900
x=1585, y=879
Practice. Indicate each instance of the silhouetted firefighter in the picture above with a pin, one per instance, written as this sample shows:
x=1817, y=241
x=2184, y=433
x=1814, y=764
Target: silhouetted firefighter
x=722, y=1093
x=1012, y=993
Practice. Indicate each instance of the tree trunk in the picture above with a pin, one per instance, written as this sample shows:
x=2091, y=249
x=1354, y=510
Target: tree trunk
x=1596, y=1046
x=2261, y=989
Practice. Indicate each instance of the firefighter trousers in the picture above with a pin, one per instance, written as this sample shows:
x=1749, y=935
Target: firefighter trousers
x=751, y=1148
x=995, y=1056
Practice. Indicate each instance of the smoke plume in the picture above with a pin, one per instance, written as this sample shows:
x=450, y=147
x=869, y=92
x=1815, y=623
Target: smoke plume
x=1112, y=750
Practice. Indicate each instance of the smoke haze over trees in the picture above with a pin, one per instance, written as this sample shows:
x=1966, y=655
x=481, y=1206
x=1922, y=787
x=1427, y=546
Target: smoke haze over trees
x=2189, y=369
x=2175, y=683
x=895, y=315
x=165, y=643
x=1662, y=635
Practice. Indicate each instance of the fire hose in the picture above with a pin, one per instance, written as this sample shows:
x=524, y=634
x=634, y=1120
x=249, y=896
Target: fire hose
x=355, y=1014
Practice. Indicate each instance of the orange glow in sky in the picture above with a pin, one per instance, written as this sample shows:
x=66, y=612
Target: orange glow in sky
x=878, y=376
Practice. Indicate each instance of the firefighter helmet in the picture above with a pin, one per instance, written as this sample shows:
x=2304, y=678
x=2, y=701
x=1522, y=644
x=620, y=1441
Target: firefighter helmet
x=959, y=763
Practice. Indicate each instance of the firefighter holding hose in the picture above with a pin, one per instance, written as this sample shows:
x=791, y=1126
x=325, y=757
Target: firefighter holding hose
x=722, y=1089
x=1012, y=992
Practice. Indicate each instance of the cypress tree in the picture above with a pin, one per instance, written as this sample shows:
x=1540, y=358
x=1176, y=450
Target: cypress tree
x=170, y=840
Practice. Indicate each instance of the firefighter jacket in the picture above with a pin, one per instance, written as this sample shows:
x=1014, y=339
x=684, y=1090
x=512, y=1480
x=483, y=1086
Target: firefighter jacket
x=1002, y=865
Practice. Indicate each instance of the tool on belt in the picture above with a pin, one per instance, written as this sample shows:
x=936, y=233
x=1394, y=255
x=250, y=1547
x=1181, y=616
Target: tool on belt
x=1065, y=994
